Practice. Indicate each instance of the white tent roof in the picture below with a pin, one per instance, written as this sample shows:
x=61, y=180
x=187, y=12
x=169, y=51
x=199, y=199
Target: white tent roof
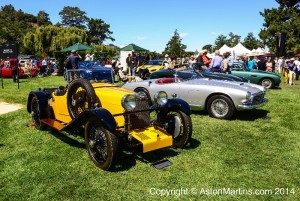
x=224, y=49
x=241, y=50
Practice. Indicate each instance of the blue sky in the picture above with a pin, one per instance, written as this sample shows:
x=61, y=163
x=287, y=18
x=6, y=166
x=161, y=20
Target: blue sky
x=151, y=24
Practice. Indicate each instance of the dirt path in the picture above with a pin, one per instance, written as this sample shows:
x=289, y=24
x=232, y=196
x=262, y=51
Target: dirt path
x=7, y=107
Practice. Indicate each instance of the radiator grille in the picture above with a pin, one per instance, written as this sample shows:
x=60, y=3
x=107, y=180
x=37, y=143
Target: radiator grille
x=258, y=99
x=140, y=119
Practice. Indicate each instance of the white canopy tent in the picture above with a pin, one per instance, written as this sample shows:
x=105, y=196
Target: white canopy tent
x=224, y=49
x=239, y=50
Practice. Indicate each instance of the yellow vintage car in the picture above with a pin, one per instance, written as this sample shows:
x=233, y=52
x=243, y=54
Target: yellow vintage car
x=108, y=116
x=151, y=66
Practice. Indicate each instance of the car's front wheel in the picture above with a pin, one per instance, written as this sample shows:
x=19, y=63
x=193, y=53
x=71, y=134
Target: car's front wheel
x=101, y=144
x=267, y=82
x=220, y=107
x=180, y=127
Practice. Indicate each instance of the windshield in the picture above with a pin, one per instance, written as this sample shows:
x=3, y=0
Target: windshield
x=87, y=64
x=155, y=62
x=103, y=74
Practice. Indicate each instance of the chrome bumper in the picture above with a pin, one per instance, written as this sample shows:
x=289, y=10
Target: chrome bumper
x=248, y=107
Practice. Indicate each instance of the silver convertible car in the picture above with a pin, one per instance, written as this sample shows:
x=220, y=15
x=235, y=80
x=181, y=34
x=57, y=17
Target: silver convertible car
x=220, y=98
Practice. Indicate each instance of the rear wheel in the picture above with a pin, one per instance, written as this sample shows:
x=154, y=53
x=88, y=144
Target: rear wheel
x=35, y=113
x=81, y=96
x=101, y=144
x=220, y=107
x=180, y=127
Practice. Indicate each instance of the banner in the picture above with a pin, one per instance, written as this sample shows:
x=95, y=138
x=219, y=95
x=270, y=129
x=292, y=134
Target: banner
x=8, y=50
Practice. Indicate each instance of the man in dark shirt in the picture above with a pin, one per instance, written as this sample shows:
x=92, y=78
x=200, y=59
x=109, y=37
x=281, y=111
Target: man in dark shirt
x=74, y=59
x=261, y=64
x=13, y=64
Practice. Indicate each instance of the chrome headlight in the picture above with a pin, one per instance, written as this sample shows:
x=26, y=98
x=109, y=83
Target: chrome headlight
x=160, y=98
x=129, y=102
x=248, y=95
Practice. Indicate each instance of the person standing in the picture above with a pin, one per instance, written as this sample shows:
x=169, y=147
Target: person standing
x=206, y=60
x=74, y=59
x=129, y=63
x=13, y=64
x=43, y=66
x=230, y=61
x=252, y=63
x=216, y=62
x=292, y=68
x=269, y=65
x=262, y=63
x=297, y=68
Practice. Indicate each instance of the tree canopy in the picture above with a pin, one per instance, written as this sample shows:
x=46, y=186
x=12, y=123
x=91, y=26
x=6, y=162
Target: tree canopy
x=174, y=46
x=282, y=21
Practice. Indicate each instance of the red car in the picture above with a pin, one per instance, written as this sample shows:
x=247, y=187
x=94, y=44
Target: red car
x=23, y=72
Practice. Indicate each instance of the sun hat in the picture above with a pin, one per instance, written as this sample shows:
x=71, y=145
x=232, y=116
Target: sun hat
x=73, y=51
x=166, y=55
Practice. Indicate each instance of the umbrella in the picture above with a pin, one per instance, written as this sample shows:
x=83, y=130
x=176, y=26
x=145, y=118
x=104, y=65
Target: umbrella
x=297, y=55
x=131, y=47
x=77, y=46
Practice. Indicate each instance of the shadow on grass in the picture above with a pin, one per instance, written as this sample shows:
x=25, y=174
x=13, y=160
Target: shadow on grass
x=1, y=145
x=65, y=138
x=243, y=115
x=251, y=115
x=127, y=158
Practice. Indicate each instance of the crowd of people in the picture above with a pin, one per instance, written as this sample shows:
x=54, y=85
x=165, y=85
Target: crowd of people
x=223, y=63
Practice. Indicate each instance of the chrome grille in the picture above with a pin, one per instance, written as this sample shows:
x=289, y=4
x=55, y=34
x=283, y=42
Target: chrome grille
x=140, y=119
x=258, y=99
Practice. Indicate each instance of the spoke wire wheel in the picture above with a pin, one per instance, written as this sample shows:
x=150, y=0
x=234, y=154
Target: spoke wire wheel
x=220, y=107
x=35, y=113
x=81, y=96
x=101, y=144
x=180, y=127
x=268, y=83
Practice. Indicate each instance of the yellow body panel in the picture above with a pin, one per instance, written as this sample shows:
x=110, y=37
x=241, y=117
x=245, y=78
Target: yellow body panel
x=109, y=95
x=152, y=138
x=60, y=108
x=151, y=68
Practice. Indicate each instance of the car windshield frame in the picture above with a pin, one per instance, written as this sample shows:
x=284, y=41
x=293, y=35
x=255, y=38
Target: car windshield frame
x=155, y=62
x=104, y=75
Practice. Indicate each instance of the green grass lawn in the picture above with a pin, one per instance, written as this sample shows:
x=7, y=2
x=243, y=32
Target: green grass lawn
x=249, y=158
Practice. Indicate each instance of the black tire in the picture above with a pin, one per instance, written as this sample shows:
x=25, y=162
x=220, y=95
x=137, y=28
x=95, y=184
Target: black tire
x=146, y=92
x=81, y=96
x=267, y=82
x=101, y=144
x=35, y=114
x=220, y=107
x=180, y=127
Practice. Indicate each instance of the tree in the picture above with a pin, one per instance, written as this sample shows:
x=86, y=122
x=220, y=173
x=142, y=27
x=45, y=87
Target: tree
x=98, y=31
x=43, y=18
x=282, y=21
x=174, y=46
x=14, y=24
x=220, y=41
x=208, y=47
x=233, y=39
x=49, y=39
x=73, y=17
x=251, y=42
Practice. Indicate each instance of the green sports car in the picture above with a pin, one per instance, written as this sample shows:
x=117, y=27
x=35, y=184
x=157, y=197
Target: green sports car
x=267, y=79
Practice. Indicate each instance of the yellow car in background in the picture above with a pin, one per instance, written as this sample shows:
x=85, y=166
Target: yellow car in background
x=151, y=66
x=110, y=117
